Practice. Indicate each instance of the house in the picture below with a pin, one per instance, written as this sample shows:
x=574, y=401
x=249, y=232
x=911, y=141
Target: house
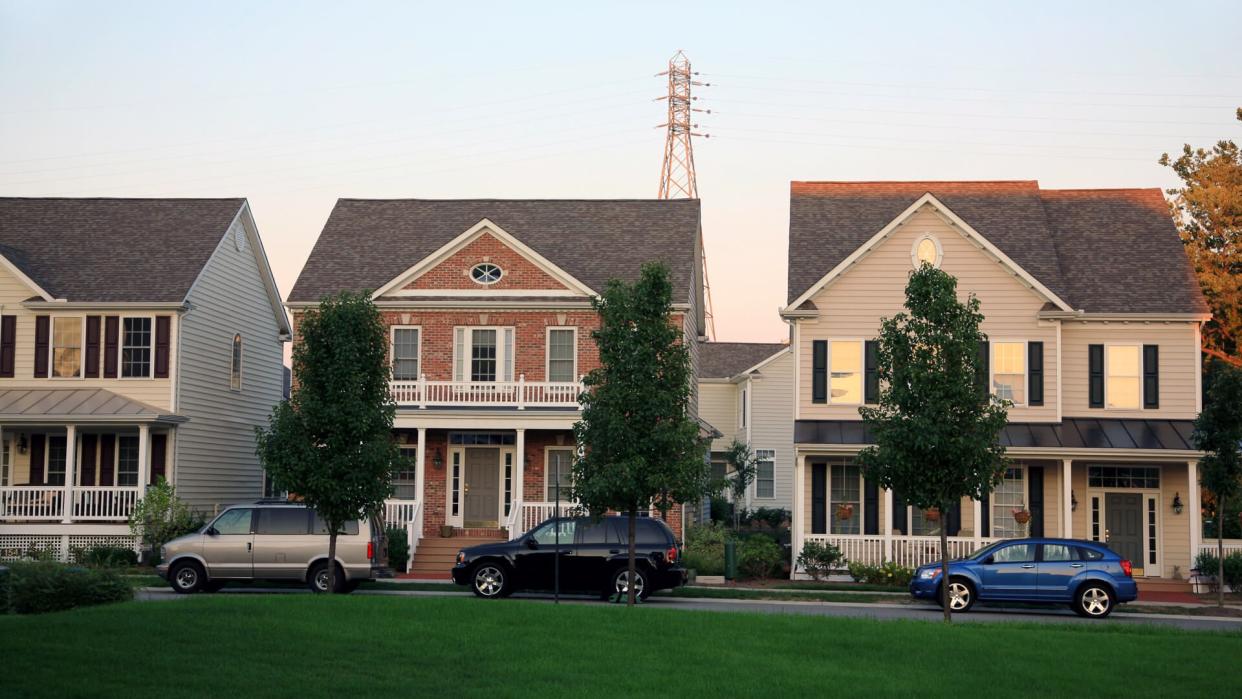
x=745, y=391
x=139, y=339
x=1093, y=316
x=488, y=305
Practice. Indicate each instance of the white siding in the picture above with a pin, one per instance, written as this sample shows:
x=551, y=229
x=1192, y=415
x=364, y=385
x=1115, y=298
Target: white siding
x=772, y=424
x=718, y=406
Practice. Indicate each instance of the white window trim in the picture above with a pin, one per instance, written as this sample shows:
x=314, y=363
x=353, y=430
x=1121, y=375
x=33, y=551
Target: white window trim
x=914, y=250
x=862, y=371
x=120, y=348
x=468, y=343
x=832, y=510
x=1026, y=369
x=497, y=267
x=392, y=348
x=51, y=348
x=116, y=459
x=547, y=351
x=1138, y=344
x=1149, y=569
x=241, y=361
x=547, y=471
x=755, y=485
x=1026, y=500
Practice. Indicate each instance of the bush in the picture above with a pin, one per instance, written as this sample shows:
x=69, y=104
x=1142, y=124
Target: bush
x=1207, y=564
x=398, y=548
x=818, y=559
x=42, y=586
x=773, y=517
x=722, y=510
x=160, y=516
x=759, y=557
x=705, y=549
x=887, y=574
x=4, y=590
x=105, y=556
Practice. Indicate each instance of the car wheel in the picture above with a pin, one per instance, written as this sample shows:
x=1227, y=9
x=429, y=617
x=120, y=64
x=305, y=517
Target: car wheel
x=961, y=596
x=620, y=583
x=1094, y=601
x=490, y=581
x=187, y=577
x=317, y=581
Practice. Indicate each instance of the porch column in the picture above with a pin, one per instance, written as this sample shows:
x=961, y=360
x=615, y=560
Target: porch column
x=519, y=468
x=1067, y=499
x=420, y=463
x=71, y=470
x=144, y=458
x=977, y=522
x=799, y=510
x=888, y=525
x=1193, y=508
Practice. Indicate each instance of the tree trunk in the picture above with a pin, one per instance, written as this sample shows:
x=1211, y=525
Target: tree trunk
x=944, y=571
x=631, y=596
x=1220, y=554
x=332, y=561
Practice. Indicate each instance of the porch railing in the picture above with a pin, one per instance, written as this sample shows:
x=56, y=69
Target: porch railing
x=399, y=512
x=908, y=551
x=520, y=394
x=32, y=503
x=1231, y=546
x=104, y=502
x=532, y=514
x=48, y=503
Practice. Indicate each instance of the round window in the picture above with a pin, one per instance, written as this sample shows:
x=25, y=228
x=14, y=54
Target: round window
x=926, y=250
x=486, y=273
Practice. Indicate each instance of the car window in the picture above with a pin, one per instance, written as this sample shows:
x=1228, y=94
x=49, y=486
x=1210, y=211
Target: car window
x=594, y=532
x=1059, y=553
x=650, y=532
x=282, y=520
x=1015, y=553
x=350, y=527
x=235, y=521
x=547, y=533
x=1090, y=554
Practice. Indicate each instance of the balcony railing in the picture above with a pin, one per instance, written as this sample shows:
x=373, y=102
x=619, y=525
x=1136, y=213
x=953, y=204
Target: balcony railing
x=909, y=551
x=520, y=394
x=47, y=503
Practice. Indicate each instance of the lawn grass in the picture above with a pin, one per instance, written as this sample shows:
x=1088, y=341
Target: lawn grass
x=303, y=645
x=781, y=595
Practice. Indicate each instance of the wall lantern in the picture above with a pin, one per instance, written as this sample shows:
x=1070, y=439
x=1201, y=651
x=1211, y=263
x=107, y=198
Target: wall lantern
x=1177, y=503
x=436, y=459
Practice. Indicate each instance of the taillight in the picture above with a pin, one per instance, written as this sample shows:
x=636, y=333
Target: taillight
x=671, y=554
x=1127, y=568
x=370, y=550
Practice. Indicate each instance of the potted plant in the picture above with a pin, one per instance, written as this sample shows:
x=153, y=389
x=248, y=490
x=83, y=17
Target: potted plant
x=845, y=512
x=446, y=531
x=932, y=514
x=1021, y=515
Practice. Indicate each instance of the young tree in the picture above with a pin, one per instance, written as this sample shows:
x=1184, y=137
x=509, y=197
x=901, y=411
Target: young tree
x=331, y=443
x=937, y=438
x=1218, y=432
x=744, y=467
x=1208, y=211
x=639, y=441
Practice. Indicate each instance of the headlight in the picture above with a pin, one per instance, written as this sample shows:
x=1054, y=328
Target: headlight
x=929, y=573
x=461, y=557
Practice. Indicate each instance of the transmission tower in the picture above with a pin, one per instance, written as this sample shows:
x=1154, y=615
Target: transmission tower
x=677, y=178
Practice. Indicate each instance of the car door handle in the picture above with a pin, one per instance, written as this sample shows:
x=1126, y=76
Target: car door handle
x=1028, y=565
x=614, y=551
x=1075, y=565
x=249, y=546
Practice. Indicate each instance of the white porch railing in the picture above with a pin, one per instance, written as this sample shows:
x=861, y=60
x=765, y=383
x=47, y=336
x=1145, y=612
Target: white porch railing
x=518, y=394
x=104, y=502
x=908, y=551
x=48, y=503
x=32, y=503
x=528, y=515
x=1231, y=546
x=512, y=521
x=399, y=512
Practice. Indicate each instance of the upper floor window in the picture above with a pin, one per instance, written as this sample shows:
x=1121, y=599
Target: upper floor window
x=765, y=473
x=562, y=354
x=486, y=273
x=926, y=250
x=483, y=354
x=235, y=364
x=1009, y=371
x=1124, y=375
x=405, y=346
x=66, y=347
x=845, y=383
x=135, y=347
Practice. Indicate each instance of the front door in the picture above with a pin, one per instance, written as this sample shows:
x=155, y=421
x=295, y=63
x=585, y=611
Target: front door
x=1123, y=522
x=482, y=487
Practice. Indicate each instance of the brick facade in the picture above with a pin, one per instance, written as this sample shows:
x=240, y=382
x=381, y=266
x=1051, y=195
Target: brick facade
x=517, y=272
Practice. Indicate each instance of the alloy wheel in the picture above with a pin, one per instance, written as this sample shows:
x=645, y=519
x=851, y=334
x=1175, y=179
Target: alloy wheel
x=1095, y=602
x=187, y=577
x=489, y=581
x=622, y=583
x=321, y=580
x=959, y=596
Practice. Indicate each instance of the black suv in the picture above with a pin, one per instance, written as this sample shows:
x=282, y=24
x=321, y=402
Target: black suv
x=592, y=559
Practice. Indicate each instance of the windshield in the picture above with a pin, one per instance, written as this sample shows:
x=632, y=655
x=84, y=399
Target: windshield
x=983, y=551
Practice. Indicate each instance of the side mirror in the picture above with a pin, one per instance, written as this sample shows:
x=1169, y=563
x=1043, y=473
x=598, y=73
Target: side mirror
x=532, y=544
x=211, y=531
x=988, y=561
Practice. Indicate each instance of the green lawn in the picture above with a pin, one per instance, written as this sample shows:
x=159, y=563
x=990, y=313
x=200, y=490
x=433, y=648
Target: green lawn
x=301, y=645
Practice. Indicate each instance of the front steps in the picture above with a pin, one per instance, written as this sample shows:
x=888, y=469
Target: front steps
x=435, y=556
x=1163, y=585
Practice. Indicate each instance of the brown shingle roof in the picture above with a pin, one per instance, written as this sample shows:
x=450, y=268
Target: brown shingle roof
x=114, y=250
x=722, y=360
x=368, y=242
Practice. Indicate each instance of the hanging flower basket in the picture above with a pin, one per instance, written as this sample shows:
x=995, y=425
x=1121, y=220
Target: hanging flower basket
x=845, y=512
x=1021, y=515
x=932, y=514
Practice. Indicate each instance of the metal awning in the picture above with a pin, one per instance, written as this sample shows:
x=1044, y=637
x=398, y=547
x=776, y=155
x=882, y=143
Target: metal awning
x=1071, y=434
x=34, y=406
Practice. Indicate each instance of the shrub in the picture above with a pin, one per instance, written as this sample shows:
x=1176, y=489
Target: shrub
x=705, y=548
x=887, y=574
x=1207, y=564
x=758, y=557
x=774, y=517
x=4, y=590
x=398, y=548
x=42, y=586
x=105, y=556
x=818, y=559
x=722, y=510
x=160, y=516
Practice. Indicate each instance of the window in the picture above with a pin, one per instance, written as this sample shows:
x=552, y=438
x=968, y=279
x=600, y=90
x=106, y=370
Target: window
x=55, y=460
x=1090, y=554
x=235, y=364
x=1015, y=553
x=66, y=347
x=235, y=521
x=318, y=526
x=136, y=347
x=562, y=354
x=127, y=460
x=921, y=524
x=559, y=473
x=719, y=466
x=405, y=354
x=486, y=273
x=1123, y=389
x=1010, y=495
x=742, y=407
x=926, y=250
x=4, y=464
x=403, y=483
x=765, y=473
x=597, y=533
x=1059, y=553
x=546, y=535
x=483, y=355
x=282, y=521
x=1009, y=371
x=845, y=359
x=1123, y=477
x=845, y=505
x=455, y=484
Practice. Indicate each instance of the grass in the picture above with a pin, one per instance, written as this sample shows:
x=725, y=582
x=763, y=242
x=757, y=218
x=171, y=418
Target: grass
x=780, y=595
x=302, y=645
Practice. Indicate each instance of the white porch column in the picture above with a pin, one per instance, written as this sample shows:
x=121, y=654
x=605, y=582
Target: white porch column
x=1067, y=499
x=977, y=522
x=71, y=470
x=799, y=509
x=888, y=525
x=420, y=463
x=1192, y=508
x=519, y=468
x=144, y=458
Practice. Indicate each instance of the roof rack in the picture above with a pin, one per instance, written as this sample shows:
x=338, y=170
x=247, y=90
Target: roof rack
x=276, y=501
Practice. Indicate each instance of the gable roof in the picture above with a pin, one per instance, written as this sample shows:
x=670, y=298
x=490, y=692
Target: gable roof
x=367, y=243
x=1058, y=239
x=723, y=360
x=113, y=250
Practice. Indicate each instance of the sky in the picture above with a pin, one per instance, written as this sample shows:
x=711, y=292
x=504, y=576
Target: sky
x=293, y=105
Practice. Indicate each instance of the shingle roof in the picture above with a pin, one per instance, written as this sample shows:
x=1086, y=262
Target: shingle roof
x=114, y=250
x=1083, y=245
x=368, y=242
x=722, y=360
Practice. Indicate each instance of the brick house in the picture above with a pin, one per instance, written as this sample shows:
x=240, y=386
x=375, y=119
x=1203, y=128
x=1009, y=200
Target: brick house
x=488, y=304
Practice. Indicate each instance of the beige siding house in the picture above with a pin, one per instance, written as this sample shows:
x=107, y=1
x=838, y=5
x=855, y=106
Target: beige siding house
x=139, y=339
x=1092, y=315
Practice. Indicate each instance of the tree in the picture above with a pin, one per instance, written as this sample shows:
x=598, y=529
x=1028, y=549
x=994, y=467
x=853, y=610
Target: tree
x=1208, y=211
x=160, y=516
x=936, y=437
x=744, y=467
x=1218, y=433
x=331, y=443
x=640, y=442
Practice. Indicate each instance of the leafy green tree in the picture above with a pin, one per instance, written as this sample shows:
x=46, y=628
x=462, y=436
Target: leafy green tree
x=331, y=443
x=1208, y=211
x=937, y=438
x=1218, y=432
x=640, y=443
x=743, y=468
x=160, y=516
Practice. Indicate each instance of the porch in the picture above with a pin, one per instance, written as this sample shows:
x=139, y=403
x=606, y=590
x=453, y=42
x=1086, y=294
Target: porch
x=519, y=395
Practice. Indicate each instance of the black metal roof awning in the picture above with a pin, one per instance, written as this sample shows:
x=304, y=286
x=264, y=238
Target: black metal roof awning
x=1071, y=433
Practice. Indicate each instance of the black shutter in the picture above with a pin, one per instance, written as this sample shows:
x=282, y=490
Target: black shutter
x=162, y=333
x=985, y=512
x=159, y=456
x=819, y=371
x=91, y=370
x=1035, y=372
x=107, y=458
x=36, y=458
x=43, y=331
x=871, y=507
x=1095, y=375
x=953, y=519
x=112, y=331
x=87, y=467
x=819, y=504
x=1035, y=486
x=899, y=513
x=8, y=345
x=1151, y=376
x=871, y=372
x=983, y=369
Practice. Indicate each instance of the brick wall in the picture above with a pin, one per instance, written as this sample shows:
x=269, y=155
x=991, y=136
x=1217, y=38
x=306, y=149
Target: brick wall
x=517, y=271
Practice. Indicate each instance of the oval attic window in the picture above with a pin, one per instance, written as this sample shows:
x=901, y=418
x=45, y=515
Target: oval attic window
x=486, y=273
x=926, y=250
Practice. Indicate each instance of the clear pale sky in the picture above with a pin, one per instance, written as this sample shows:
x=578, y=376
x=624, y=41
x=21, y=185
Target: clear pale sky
x=295, y=104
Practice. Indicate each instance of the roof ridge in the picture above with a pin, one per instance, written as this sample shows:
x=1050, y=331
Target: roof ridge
x=499, y=199
x=122, y=198
x=913, y=181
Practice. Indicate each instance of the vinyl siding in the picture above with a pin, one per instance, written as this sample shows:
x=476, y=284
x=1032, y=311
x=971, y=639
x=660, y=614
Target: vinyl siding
x=718, y=406
x=1179, y=364
x=771, y=414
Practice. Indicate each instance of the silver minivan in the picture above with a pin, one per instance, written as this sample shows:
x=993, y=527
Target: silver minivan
x=272, y=541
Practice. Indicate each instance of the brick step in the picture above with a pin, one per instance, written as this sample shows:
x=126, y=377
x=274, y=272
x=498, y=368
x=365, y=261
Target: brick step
x=1162, y=585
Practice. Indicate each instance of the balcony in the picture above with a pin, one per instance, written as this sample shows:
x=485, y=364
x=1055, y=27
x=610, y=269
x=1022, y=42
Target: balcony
x=48, y=503
x=519, y=395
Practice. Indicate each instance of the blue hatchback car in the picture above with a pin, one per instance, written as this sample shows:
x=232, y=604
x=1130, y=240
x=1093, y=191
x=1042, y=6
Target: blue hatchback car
x=1086, y=575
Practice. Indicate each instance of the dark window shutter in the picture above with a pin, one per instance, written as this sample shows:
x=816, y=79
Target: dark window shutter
x=159, y=456
x=899, y=513
x=985, y=512
x=43, y=331
x=87, y=467
x=107, y=458
x=112, y=331
x=953, y=520
x=819, y=371
x=871, y=507
x=91, y=370
x=1095, y=375
x=983, y=369
x=1151, y=376
x=37, y=442
x=161, y=346
x=819, y=494
x=8, y=345
x=1035, y=484
x=871, y=372
x=1035, y=373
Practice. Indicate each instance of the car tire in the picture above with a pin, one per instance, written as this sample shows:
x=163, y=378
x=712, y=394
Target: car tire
x=961, y=596
x=187, y=577
x=317, y=579
x=1094, y=600
x=491, y=580
x=618, y=583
